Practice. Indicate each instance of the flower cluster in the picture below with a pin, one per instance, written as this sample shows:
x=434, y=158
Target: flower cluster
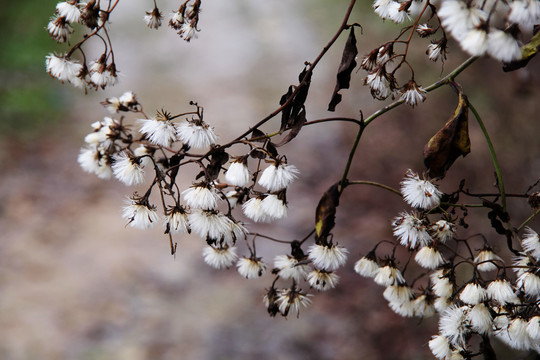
x=484, y=299
x=93, y=16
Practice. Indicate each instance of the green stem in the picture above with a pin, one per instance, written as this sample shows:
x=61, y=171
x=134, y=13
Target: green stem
x=498, y=173
x=373, y=183
x=529, y=219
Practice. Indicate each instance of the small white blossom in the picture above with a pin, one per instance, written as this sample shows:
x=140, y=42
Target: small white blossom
x=487, y=260
x=188, y=32
x=153, y=18
x=235, y=232
x=397, y=14
x=398, y=294
x=92, y=161
x=531, y=243
x=503, y=46
x=219, y=258
x=423, y=306
x=437, y=50
x=238, y=173
x=526, y=13
x=501, y=291
x=59, y=29
x=291, y=300
x=366, y=266
x=143, y=153
x=442, y=303
x=177, y=20
x=412, y=94
x=473, y=294
x=62, y=68
x=328, y=258
x=177, y=221
x=289, y=268
x=521, y=263
x=453, y=325
x=533, y=328
x=69, y=10
x=209, y=224
x=383, y=8
x=443, y=230
x=389, y=275
x=278, y=176
x=405, y=309
x=475, y=42
x=250, y=268
x=201, y=196
x=442, y=286
x=440, y=347
x=273, y=207
x=159, y=132
x=429, y=257
x=141, y=216
x=480, y=319
x=529, y=283
x=322, y=280
x=517, y=336
x=411, y=231
x=380, y=83
x=419, y=193
x=127, y=169
x=196, y=134
x=254, y=210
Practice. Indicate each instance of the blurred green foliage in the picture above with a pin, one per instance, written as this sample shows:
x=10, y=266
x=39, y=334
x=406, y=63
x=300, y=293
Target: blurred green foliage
x=30, y=101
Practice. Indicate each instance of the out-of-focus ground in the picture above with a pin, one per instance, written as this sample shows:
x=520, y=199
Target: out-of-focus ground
x=75, y=283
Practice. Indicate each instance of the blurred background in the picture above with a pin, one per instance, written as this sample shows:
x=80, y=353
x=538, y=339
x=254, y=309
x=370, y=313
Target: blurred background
x=75, y=283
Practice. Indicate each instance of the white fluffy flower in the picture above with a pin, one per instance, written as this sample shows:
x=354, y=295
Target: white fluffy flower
x=475, y=42
x=238, y=173
x=366, y=266
x=501, y=291
x=235, y=232
x=322, y=280
x=254, y=210
x=411, y=231
x=440, y=347
x=153, y=18
x=141, y=216
x=274, y=207
x=219, y=258
x=405, y=309
x=127, y=169
x=291, y=300
x=159, y=132
x=533, y=328
x=443, y=230
x=201, y=196
x=209, y=224
x=429, y=257
x=453, y=325
x=487, y=260
x=473, y=294
x=59, y=29
x=529, y=283
x=419, y=193
x=480, y=319
x=62, y=68
x=250, y=268
x=423, y=306
x=398, y=294
x=442, y=285
x=412, y=94
x=278, y=176
x=531, y=243
x=526, y=13
x=177, y=221
x=389, y=275
x=328, y=258
x=196, y=134
x=69, y=10
x=380, y=84
x=289, y=268
x=503, y=46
